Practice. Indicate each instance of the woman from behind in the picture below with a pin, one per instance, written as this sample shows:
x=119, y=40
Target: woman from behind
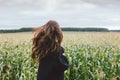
x=47, y=50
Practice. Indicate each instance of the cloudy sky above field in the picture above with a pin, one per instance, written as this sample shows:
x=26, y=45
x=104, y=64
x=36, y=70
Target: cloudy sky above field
x=73, y=13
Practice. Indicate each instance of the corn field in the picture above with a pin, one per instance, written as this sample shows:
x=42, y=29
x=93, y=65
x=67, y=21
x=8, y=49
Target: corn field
x=92, y=56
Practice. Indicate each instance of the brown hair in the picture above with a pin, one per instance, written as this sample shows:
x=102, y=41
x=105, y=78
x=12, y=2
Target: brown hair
x=47, y=40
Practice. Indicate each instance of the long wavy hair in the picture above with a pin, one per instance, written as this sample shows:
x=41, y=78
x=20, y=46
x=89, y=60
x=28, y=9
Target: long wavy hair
x=47, y=40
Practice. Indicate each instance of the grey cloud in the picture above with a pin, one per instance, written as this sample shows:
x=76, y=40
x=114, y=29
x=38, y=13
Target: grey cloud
x=67, y=12
x=103, y=1
x=61, y=2
x=93, y=1
x=22, y=2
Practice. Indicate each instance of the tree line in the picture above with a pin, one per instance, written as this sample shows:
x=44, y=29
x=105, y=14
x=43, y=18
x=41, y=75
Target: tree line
x=63, y=29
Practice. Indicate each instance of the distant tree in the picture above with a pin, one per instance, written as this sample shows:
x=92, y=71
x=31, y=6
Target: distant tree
x=63, y=29
x=86, y=29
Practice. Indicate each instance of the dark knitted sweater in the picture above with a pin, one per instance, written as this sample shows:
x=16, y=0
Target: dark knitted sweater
x=52, y=67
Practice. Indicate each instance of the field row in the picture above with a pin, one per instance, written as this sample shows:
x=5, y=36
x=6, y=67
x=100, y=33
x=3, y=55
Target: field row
x=92, y=56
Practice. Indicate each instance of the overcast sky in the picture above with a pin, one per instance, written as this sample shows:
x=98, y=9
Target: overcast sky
x=68, y=13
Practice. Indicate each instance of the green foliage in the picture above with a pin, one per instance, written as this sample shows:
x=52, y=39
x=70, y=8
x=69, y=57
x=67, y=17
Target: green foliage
x=63, y=29
x=17, y=30
x=87, y=62
x=93, y=63
x=86, y=29
x=16, y=63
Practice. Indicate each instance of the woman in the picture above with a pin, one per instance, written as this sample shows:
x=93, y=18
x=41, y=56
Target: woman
x=48, y=52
